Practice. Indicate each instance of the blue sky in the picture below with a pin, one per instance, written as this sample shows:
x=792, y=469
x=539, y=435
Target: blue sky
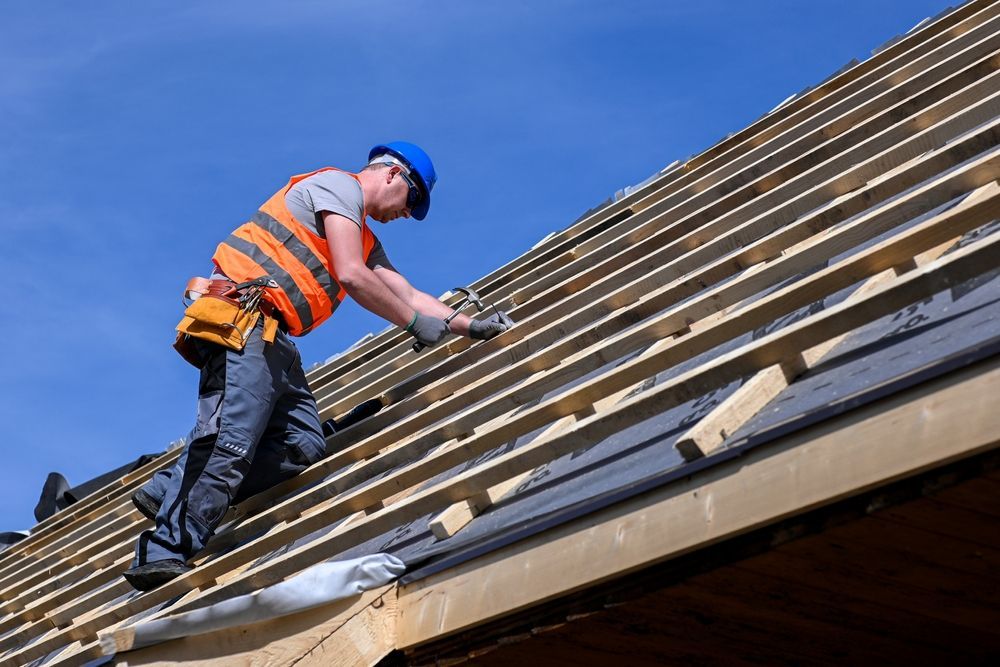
x=135, y=136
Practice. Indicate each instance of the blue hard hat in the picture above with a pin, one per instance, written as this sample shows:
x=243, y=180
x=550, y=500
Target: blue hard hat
x=420, y=166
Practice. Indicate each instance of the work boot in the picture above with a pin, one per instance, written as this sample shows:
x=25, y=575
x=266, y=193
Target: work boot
x=150, y=575
x=146, y=504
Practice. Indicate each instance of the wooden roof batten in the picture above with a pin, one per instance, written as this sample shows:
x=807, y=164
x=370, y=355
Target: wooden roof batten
x=874, y=175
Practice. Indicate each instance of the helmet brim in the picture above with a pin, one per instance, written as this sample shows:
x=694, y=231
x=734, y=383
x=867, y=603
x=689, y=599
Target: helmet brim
x=420, y=212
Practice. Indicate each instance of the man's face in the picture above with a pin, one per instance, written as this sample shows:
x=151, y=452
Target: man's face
x=394, y=192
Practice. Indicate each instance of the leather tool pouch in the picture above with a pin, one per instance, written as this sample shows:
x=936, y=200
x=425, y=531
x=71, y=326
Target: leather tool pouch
x=219, y=320
x=214, y=317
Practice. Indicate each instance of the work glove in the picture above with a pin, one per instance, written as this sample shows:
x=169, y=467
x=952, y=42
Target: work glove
x=427, y=330
x=494, y=325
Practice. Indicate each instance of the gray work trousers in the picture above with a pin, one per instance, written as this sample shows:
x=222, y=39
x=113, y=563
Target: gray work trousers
x=257, y=425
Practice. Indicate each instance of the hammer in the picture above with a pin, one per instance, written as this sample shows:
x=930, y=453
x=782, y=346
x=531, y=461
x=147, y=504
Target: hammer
x=470, y=297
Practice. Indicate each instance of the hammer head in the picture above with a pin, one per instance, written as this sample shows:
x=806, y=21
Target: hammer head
x=470, y=297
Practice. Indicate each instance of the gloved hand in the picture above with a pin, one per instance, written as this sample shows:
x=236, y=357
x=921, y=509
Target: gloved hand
x=493, y=325
x=427, y=330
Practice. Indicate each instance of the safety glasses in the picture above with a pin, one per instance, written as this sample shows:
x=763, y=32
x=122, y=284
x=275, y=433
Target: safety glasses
x=413, y=195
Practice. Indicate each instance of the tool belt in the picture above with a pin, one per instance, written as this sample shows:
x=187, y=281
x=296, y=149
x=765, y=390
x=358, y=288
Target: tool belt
x=224, y=313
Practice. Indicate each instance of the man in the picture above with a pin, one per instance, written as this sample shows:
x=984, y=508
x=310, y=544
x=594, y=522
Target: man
x=257, y=419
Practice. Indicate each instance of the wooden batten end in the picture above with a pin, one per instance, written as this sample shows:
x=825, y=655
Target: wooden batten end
x=708, y=434
x=122, y=639
x=905, y=266
x=459, y=515
x=689, y=448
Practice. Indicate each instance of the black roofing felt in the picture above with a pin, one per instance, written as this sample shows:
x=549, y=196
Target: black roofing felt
x=951, y=329
x=955, y=328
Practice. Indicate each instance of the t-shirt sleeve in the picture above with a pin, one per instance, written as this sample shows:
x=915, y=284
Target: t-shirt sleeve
x=378, y=258
x=332, y=191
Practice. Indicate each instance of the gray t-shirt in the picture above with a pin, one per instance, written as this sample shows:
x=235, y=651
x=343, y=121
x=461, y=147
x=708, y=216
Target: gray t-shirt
x=338, y=193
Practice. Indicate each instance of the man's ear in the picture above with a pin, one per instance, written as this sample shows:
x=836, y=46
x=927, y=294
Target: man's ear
x=391, y=173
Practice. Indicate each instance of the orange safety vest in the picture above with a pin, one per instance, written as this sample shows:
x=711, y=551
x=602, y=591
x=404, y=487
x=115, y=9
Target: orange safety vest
x=274, y=243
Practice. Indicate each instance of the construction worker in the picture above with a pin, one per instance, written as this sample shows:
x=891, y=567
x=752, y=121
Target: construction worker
x=257, y=419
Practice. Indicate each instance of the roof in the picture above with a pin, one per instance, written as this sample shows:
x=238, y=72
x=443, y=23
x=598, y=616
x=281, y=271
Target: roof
x=837, y=255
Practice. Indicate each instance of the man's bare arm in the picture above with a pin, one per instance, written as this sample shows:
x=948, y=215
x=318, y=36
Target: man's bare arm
x=344, y=240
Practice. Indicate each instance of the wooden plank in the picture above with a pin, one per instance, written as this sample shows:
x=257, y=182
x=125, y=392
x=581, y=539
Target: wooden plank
x=34, y=602
x=460, y=514
x=54, y=596
x=60, y=561
x=741, y=406
x=904, y=434
x=382, y=376
x=293, y=638
x=65, y=585
x=647, y=285
x=652, y=254
x=121, y=588
x=931, y=57
x=888, y=65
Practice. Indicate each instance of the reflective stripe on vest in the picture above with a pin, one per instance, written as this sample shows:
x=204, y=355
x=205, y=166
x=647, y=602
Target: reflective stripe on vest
x=273, y=242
